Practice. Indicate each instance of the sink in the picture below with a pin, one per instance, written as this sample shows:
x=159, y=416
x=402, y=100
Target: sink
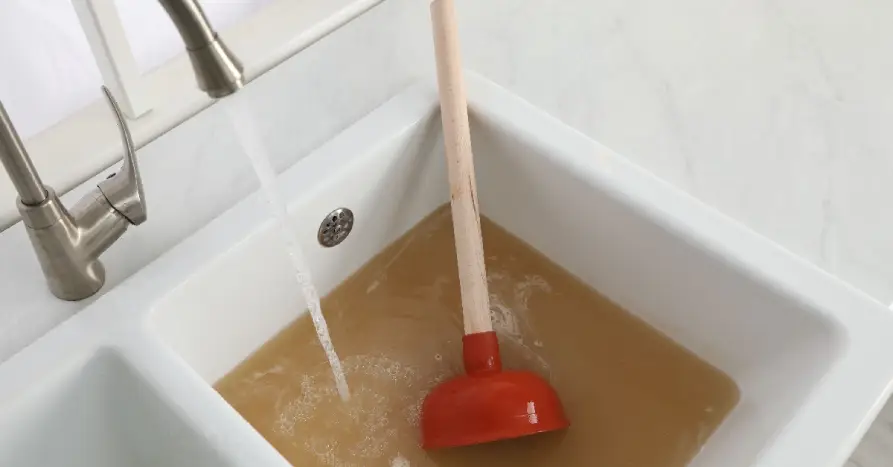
x=807, y=351
x=98, y=412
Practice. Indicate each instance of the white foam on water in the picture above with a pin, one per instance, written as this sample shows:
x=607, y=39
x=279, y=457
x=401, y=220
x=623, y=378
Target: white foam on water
x=256, y=151
x=524, y=289
x=509, y=314
x=371, y=418
x=400, y=461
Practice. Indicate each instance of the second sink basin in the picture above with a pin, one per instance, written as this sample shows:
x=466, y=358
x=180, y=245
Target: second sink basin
x=98, y=412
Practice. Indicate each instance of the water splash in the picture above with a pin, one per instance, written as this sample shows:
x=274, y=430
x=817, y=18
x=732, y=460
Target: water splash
x=247, y=133
x=400, y=461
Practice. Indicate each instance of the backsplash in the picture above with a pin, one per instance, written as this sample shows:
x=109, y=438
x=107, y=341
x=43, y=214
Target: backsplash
x=777, y=113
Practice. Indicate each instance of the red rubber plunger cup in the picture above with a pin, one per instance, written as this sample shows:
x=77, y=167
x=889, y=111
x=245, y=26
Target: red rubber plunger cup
x=488, y=404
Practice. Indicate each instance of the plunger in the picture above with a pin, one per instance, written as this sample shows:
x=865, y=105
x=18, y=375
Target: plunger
x=485, y=404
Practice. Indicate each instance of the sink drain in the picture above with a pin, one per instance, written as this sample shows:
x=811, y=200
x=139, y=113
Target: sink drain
x=335, y=227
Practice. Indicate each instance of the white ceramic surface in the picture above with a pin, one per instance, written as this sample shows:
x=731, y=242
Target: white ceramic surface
x=98, y=412
x=802, y=345
x=766, y=120
x=774, y=112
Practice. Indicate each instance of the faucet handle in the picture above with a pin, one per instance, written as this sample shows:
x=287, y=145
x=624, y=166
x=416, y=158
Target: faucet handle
x=124, y=190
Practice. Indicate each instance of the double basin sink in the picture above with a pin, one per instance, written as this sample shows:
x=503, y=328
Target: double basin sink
x=128, y=381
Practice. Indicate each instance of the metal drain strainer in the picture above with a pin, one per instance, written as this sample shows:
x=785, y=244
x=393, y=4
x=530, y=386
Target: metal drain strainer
x=335, y=227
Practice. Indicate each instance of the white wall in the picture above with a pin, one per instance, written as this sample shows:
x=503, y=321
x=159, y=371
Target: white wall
x=47, y=69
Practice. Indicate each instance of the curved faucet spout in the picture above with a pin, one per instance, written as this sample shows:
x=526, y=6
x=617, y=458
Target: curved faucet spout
x=217, y=70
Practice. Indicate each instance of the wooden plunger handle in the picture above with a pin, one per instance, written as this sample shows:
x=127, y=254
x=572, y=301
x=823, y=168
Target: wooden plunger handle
x=463, y=191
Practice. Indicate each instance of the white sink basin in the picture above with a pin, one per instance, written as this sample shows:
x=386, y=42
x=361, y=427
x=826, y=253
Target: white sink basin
x=99, y=412
x=809, y=354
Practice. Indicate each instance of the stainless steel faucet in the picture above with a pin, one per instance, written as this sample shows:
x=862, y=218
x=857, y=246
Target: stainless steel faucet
x=68, y=243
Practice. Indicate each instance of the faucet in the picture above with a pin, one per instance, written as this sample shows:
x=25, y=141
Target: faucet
x=68, y=243
x=217, y=70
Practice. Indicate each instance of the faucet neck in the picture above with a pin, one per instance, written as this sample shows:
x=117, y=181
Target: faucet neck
x=191, y=22
x=18, y=164
x=217, y=70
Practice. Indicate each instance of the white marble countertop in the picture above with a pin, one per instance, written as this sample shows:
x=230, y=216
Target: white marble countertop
x=776, y=114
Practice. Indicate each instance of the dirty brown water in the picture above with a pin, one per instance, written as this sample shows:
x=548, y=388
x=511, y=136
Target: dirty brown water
x=634, y=397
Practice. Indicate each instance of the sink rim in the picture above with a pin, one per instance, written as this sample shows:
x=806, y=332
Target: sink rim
x=851, y=396
x=808, y=435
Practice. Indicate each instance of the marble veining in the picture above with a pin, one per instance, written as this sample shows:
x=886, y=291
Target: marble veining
x=752, y=107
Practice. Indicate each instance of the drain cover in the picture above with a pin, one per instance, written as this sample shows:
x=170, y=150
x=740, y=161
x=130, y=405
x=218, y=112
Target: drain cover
x=335, y=227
